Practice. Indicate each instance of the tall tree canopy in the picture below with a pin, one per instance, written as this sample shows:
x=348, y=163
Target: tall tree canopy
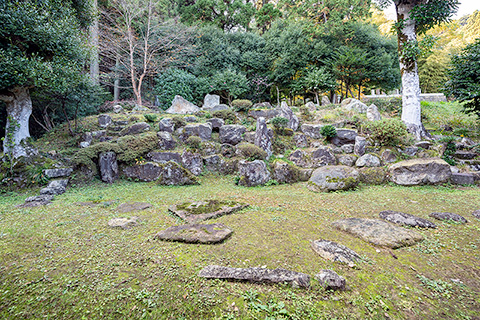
x=40, y=46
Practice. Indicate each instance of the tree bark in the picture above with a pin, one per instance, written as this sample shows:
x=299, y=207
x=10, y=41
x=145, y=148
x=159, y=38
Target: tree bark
x=94, y=62
x=411, y=110
x=116, y=83
x=19, y=109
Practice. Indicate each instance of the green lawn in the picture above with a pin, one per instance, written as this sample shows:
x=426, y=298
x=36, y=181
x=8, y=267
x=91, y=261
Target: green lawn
x=62, y=261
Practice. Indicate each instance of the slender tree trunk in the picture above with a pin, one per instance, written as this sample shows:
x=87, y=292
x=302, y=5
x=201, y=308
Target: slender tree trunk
x=316, y=97
x=94, y=62
x=116, y=83
x=19, y=109
x=411, y=110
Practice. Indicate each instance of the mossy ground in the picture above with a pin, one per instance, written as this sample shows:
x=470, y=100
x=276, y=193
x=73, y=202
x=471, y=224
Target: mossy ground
x=62, y=262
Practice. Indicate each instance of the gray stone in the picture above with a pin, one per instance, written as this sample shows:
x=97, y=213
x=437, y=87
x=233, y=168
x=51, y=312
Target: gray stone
x=193, y=162
x=373, y=175
x=214, y=163
x=462, y=178
x=323, y=156
x=135, y=128
x=284, y=172
x=423, y=144
x=196, y=233
x=326, y=101
x=311, y=106
x=354, y=105
x=253, y=173
x=476, y=214
x=464, y=155
x=55, y=187
x=262, y=105
x=301, y=158
x=164, y=157
x=219, y=107
x=332, y=178
x=190, y=119
x=166, y=124
x=99, y=134
x=210, y=101
x=166, y=141
x=347, y=148
x=304, y=174
x=406, y=219
x=231, y=134
x=123, y=223
x=286, y=112
x=378, y=232
x=410, y=151
x=104, y=120
x=117, y=108
x=57, y=173
x=360, y=144
x=301, y=140
x=146, y=172
x=173, y=174
x=216, y=123
x=368, y=160
x=227, y=150
x=264, y=137
x=138, y=108
x=107, y=162
x=249, y=137
x=133, y=206
x=87, y=137
x=312, y=130
x=347, y=160
x=344, y=136
x=264, y=113
x=388, y=156
x=182, y=106
x=373, y=114
x=196, y=211
x=262, y=275
x=420, y=171
x=445, y=216
x=121, y=122
x=84, y=144
x=202, y=130
x=330, y=280
x=335, y=252
x=41, y=200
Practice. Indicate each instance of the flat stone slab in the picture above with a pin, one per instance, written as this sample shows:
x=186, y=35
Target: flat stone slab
x=335, y=252
x=202, y=210
x=445, y=216
x=261, y=275
x=133, y=206
x=476, y=214
x=123, y=223
x=35, y=201
x=406, y=219
x=93, y=204
x=378, y=232
x=196, y=233
x=330, y=280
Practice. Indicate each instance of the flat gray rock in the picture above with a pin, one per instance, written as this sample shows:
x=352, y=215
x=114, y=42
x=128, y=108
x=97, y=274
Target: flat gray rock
x=133, y=206
x=335, y=252
x=123, y=223
x=378, y=232
x=406, y=219
x=202, y=210
x=36, y=201
x=448, y=216
x=196, y=233
x=262, y=275
x=330, y=280
x=476, y=214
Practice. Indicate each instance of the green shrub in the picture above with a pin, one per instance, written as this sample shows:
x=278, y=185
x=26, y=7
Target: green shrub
x=150, y=117
x=179, y=122
x=328, y=131
x=194, y=142
x=226, y=115
x=252, y=152
x=450, y=149
x=279, y=123
x=242, y=105
x=386, y=132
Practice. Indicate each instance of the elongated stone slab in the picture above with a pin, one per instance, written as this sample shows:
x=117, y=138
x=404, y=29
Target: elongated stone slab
x=335, y=252
x=261, y=275
x=193, y=212
x=378, y=232
x=406, y=219
x=133, y=206
x=196, y=233
x=448, y=216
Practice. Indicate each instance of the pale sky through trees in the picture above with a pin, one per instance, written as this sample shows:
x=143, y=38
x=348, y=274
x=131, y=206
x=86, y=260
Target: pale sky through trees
x=466, y=7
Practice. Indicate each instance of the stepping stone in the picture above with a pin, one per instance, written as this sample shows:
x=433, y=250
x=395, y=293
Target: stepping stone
x=336, y=252
x=476, y=214
x=55, y=187
x=196, y=233
x=406, y=219
x=93, y=204
x=123, y=223
x=202, y=210
x=262, y=275
x=378, y=232
x=445, y=216
x=330, y=280
x=133, y=206
x=35, y=201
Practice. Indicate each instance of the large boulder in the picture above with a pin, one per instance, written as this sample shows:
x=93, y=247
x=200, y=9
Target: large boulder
x=301, y=158
x=330, y=280
x=232, y=134
x=214, y=163
x=170, y=173
x=182, y=106
x=264, y=113
x=216, y=123
x=104, y=120
x=286, y=112
x=58, y=173
x=166, y=124
x=164, y=157
x=312, y=130
x=373, y=114
x=301, y=140
x=359, y=146
x=166, y=141
x=193, y=162
x=264, y=136
x=354, y=105
x=202, y=130
x=332, y=178
x=323, y=156
x=344, y=136
x=284, y=172
x=135, y=128
x=146, y=172
x=55, y=187
x=368, y=160
x=253, y=173
x=107, y=162
x=420, y=171
x=210, y=101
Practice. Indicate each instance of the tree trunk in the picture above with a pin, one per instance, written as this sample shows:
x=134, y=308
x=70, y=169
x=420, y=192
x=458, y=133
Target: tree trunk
x=94, y=62
x=116, y=83
x=316, y=97
x=19, y=109
x=411, y=111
